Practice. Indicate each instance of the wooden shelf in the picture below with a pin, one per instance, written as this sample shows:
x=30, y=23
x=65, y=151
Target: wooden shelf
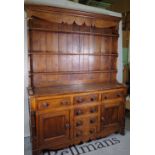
x=52, y=53
x=78, y=88
x=73, y=72
x=75, y=32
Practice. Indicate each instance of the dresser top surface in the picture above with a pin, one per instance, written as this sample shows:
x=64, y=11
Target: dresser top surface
x=79, y=88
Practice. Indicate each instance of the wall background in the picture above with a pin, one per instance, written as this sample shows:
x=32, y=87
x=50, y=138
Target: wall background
x=71, y=5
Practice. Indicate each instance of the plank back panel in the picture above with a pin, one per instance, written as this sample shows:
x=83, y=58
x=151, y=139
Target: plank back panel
x=65, y=54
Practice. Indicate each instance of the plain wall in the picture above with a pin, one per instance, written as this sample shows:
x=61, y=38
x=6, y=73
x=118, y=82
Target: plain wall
x=26, y=109
x=64, y=4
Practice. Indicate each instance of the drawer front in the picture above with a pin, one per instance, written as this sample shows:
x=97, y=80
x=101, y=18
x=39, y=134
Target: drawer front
x=53, y=103
x=85, y=122
x=80, y=133
x=112, y=95
x=92, y=131
x=83, y=111
x=86, y=98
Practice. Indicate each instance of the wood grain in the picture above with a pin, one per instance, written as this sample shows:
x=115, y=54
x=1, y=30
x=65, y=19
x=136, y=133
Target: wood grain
x=74, y=94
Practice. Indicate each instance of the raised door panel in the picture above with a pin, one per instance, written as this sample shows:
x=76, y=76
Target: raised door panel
x=111, y=114
x=54, y=126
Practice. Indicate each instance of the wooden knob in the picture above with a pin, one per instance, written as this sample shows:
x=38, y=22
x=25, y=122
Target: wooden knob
x=118, y=95
x=79, y=133
x=91, y=131
x=64, y=102
x=92, y=121
x=79, y=123
x=67, y=125
x=93, y=98
x=105, y=97
x=102, y=118
x=93, y=110
x=45, y=104
x=80, y=100
x=79, y=112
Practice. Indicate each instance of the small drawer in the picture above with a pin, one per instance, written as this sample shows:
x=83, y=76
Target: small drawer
x=79, y=123
x=80, y=111
x=53, y=103
x=93, y=109
x=112, y=95
x=92, y=131
x=93, y=120
x=79, y=133
x=85, y=122
x=86, y=98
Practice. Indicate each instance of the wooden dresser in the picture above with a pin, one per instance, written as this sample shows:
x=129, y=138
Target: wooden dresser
x=74, y=96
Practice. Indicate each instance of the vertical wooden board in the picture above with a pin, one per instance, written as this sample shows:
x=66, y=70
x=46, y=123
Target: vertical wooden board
x=91, y=44
x=62, y=63
x=94, y=76
x=105, y=77
x=113, y=63
x=39, y=63
x=52, y=63
x=63, y=79
x=75, y=43
x=62, y=43
x=81, y=43
x=114, y=45
x=69, y=63
x=106, y=46
x=69, y=43
x=97, y=44
x=73, y=78
x=52, y=42
x=75, y=63
x=35, y=41
x=84, y=62
x=65, y=63
x=51, y=79
x=94, y=62
x=39, y=80
x=42, y=40
x=105, y=63
x=85, y=43
x=113, y=77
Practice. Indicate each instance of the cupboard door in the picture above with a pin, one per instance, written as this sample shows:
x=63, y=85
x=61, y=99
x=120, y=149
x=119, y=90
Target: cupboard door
x=111, y=114
x=54, y=126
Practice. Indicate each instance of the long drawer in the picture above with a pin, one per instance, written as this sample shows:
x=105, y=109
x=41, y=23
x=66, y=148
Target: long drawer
x=112, y=95
x=53, y=103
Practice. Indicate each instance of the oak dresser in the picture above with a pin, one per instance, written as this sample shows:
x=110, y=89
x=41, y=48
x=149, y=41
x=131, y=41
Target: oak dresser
x=74, y=96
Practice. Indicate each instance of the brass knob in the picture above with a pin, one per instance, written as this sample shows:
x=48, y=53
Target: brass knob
x=45, y=104
x=79, y=123
x=67, y=125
